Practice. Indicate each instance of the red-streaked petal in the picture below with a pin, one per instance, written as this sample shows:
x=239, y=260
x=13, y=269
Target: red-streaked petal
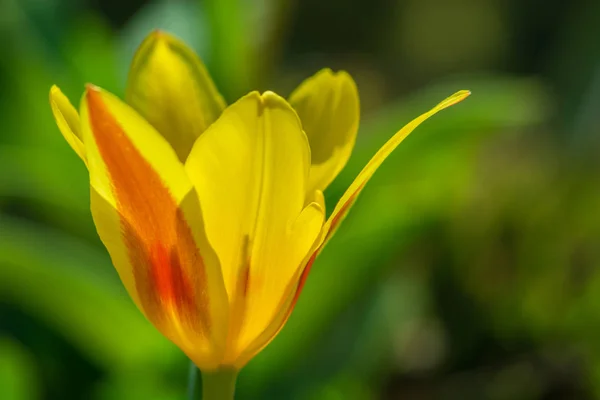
x=135, y=172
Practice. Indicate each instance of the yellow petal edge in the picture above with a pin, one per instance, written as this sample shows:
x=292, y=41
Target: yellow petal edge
x=349, y=197
x=68, y=121
x=328, y=106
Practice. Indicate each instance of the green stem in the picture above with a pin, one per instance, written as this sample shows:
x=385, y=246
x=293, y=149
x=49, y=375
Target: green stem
x=219, y=384
x=192, y=379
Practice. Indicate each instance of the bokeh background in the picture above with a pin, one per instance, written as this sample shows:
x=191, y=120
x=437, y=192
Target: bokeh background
x=468, y=269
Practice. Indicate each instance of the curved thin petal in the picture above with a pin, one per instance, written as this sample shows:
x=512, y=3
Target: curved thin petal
x=67, y=119
x=328, y=106
x=147, y=214
x=351, y=194
x=250, y=170
x=171, y=88
x=349, y=197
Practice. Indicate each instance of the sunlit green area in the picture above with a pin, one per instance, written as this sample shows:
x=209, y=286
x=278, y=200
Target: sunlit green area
x=467, y=268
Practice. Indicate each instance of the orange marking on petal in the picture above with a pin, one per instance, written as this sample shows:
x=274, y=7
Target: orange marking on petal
x=303, y=277
x=246, y=280
x=167, y=266
x=237, y=306
x=162, y=273
x=170, y=280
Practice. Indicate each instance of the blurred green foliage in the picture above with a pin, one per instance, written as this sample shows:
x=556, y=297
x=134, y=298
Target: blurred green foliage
x=467, y=269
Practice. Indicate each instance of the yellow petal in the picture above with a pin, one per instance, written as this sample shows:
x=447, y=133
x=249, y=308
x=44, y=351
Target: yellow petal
x=328, y=107
x=250, y=169
x=349, y=197
x=147, y=214
x=67, y=120
x=171, y=88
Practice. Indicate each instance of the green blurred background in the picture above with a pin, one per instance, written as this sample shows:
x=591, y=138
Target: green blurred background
x=468, y=267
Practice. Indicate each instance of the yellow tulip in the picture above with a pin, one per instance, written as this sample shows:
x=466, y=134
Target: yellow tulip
x=213, y=215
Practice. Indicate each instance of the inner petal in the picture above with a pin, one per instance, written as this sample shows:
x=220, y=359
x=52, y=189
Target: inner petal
x=250, y=170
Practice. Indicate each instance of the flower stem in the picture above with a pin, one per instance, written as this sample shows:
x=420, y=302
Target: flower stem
x=192, y=379
x=219, y=384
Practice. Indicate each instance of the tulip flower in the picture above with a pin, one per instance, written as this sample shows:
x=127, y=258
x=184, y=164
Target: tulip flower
x=212, y=214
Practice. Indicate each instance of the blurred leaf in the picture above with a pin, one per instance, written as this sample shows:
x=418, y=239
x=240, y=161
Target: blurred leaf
x=344, y=386
x=54, y=185
x=230, y=60
x=17, y=372
x=56, y=278
x=156, y=386
x=90, y=52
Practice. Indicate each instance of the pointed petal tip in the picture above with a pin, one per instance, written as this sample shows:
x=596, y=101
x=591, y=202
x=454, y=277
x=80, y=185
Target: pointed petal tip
x=68, y=120
x=160, y=36
x=92, y=95
x=91, y=88
x=54, y=92
x=154, y=35
x=349, y=197
x=454, y=99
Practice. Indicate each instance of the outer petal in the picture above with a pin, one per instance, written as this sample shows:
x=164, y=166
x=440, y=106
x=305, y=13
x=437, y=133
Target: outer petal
x=349, y=197
x=147, y=214
x=170, y=87
x=328, y=107
x=67, y=120
x=250, y=169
